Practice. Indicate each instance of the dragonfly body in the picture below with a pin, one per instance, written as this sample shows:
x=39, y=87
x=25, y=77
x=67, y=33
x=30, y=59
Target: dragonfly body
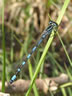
x=52, y=26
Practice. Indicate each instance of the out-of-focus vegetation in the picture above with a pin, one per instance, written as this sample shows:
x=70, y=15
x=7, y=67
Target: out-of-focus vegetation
x=24, y=22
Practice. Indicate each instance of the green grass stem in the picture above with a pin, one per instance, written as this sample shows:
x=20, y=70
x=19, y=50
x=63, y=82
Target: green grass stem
x=47, y=47
x=3, y=45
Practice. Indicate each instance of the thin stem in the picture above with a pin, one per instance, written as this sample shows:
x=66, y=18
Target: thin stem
x=3, y=45
x=47, y=47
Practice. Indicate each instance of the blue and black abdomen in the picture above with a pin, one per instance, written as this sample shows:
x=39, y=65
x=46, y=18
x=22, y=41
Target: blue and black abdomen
x=52, y=26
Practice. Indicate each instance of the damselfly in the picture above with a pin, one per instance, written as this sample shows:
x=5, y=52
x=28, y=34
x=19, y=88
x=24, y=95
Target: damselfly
x=53, y=26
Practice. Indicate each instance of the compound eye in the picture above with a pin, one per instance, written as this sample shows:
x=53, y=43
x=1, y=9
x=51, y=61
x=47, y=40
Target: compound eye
x=50, y=22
